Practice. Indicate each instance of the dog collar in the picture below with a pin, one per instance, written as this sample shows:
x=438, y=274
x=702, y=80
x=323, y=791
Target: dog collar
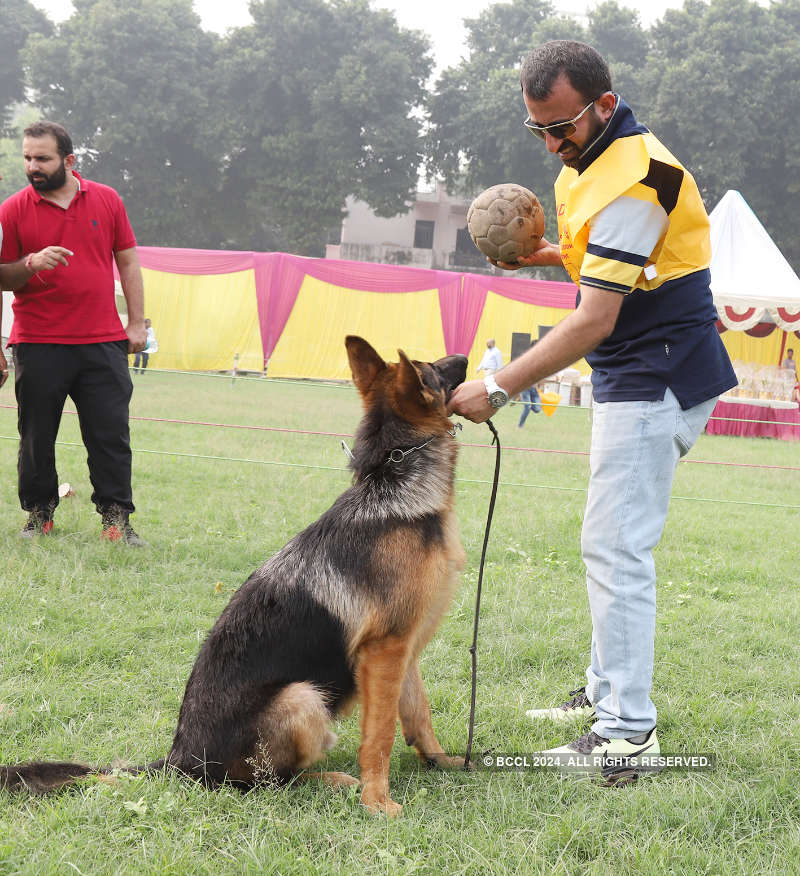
x=398, y=454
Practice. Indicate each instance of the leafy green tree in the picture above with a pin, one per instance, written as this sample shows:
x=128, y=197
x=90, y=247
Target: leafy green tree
x=18, y=19
x=323, y=100
x=616, y=32
x=476, y=137
x=11, y=165
x=726, y=76
x=133, y=83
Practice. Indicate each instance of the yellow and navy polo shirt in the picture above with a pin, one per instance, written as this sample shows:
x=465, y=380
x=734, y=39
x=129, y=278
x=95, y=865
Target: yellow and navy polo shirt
x=631, y=220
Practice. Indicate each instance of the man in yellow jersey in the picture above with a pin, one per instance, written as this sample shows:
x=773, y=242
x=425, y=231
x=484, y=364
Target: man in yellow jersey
x=634, y=237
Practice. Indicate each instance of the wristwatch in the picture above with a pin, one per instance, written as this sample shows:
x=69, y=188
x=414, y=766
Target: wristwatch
x=497, y=395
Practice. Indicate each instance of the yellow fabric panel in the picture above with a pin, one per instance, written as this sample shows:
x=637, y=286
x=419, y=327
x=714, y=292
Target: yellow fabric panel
x=202, y=321
x=686, y=246
x=764, y=351
x=643, y=193
x=502, y=317
x=596, y=267
x=312, y=343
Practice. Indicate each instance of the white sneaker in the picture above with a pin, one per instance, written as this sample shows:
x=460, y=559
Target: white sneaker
x=619, y=761
x=576, y=707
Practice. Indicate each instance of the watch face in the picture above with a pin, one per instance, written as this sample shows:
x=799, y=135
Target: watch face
x=497, y=398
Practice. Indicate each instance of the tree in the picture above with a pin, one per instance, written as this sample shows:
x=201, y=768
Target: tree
x=18, y=19
x=617, y=34
x=727, y=84
x=11, y=163
x=131, y=83
x=476, y=137
x=476, y=134
x=323, y=101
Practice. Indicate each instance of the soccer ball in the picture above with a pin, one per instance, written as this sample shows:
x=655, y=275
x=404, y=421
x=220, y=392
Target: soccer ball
x=506, y=222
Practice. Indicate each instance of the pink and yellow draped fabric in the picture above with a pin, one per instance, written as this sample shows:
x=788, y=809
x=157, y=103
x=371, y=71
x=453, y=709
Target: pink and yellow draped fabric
x=293, y=312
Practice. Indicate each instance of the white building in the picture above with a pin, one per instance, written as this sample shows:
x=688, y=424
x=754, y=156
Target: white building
x=432, y=234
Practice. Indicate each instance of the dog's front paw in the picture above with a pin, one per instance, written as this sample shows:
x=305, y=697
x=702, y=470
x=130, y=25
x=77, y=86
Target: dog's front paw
x=445, y=762
x=377, y=804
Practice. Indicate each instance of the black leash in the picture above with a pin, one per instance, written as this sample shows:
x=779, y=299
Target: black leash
x=474, y=649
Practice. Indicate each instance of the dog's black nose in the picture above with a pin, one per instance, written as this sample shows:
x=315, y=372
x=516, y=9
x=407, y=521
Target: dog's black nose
x=452, y=371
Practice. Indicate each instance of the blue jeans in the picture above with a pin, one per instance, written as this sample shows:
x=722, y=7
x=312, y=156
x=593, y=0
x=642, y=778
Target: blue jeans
x=530, y=397
x=635, y=449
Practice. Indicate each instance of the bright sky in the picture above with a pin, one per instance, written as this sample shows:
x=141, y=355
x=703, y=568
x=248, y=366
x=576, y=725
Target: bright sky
x=440, y=19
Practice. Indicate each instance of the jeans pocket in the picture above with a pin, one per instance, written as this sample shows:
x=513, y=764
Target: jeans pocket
x=691, y=423
x=684, y=444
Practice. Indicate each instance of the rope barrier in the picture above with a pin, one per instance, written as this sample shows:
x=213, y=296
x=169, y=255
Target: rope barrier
x=463, y=444
x=458, y=480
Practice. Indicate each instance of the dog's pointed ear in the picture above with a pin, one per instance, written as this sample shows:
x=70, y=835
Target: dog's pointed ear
x=365, y=363
x=408, y=380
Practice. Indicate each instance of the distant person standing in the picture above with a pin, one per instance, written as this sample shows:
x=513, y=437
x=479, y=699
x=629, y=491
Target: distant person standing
x=492, y=359
x=3, y=362
x=789, y=363
x=530, y=402
x=67, y=337
x=151, y=346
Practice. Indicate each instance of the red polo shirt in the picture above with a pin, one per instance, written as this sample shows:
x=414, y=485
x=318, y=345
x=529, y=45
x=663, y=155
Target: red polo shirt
x=73, y=304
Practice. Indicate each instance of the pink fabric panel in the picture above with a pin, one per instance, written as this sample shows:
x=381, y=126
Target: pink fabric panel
x=544, y=293
x=194, y=261
x=278, y=280
x=279, y=277
x=373, y=277
x=470, y=307
x=458, y=323
x=783, y=423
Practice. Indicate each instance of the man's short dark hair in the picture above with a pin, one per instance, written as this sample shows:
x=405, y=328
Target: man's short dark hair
x=43, y=128
x=583, y=66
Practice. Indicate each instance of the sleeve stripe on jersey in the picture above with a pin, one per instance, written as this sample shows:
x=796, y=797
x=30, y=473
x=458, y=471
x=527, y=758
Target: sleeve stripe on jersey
x=605, y=284
x=608, y=269
x=617, y=255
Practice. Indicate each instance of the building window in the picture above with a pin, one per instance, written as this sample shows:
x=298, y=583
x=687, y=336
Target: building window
x=423, y=234
x=464, y=241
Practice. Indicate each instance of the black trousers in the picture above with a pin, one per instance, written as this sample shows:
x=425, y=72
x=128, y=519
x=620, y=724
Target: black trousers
x=96, y=378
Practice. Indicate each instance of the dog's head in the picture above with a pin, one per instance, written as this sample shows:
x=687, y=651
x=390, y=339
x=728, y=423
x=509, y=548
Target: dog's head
x=418, y=391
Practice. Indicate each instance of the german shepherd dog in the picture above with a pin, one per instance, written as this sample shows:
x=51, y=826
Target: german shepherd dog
x=340, y=615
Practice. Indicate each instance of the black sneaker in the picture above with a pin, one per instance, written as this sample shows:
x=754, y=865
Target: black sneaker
x=578, y=706
x=117, y=528
x=40, y=522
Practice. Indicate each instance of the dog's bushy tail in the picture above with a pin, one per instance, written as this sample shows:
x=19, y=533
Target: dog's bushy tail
x=42, y=776
x=39, y=777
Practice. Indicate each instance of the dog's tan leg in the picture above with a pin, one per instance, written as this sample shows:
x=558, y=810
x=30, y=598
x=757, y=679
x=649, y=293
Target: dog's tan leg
x=415, y=719
x=380, y=673
x=334, y=779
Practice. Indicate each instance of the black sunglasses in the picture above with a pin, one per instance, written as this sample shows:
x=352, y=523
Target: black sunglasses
x=558, y=130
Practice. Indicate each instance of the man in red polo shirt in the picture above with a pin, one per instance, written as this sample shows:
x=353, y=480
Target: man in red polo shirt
x=60, y=238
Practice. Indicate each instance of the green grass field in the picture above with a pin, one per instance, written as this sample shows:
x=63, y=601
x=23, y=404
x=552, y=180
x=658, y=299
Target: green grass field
x=97, y=640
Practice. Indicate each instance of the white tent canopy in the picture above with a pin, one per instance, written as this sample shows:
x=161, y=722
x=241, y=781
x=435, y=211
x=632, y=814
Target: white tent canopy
x=751, y=281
